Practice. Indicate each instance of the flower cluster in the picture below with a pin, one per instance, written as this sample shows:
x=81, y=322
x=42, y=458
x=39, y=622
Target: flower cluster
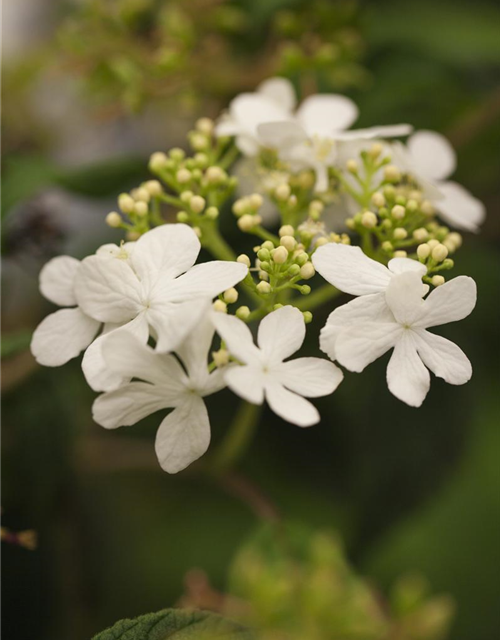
x=161, y=332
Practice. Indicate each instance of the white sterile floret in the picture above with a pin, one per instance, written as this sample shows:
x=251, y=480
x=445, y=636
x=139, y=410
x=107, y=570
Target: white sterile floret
x=430, y=159
x=404, y=328
x=156, y=291
x=264, y=374
x=162, y=383
x=351, y=271
x=273, y=100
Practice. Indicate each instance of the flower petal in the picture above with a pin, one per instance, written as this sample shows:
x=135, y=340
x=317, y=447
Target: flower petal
x=281, y=333
x=252, y=109
x=459, y=207
x=62, y=336
x=290, y=406
x=323, y=114
x=183, y=436
x=404, y=297
x=238, y=338
x=108, y=290
x=356, y=347
x=311, y=377
x=281, y=91
x=247, y=382
x=57, y=280
x=350, y=270
x=450, y=302
x=407, y=377
x=281, y=134
x=204, y=280
x=99, y=375
x=401, y=265
x=173, y=321
x=384, y=131
x=195, y=348
x=432, y=154
x=443, y=357
x=130, y=404
x=370, y=308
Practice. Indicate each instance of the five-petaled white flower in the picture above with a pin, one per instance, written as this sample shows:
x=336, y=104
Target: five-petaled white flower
x=274, y=99
x=184, y=435
x=404, y=329
x=311, y=140
x=430, y=159
x=350, y=270
x=264, y=374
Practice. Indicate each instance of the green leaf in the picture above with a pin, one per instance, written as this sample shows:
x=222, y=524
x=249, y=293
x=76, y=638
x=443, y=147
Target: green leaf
x=177, y=624
x=12, y=343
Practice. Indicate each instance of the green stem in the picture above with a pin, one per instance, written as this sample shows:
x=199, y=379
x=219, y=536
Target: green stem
x=317, y=298
x=238, y=437
x=228, y=158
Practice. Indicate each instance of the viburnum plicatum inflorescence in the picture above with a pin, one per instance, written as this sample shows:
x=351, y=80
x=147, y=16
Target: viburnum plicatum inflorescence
x=161, y=332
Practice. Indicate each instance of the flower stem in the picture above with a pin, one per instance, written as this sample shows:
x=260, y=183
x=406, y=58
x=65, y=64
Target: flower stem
x=237, y=438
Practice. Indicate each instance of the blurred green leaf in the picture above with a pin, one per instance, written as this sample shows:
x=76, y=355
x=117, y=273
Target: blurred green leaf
x=176, y=624
x=12, y=343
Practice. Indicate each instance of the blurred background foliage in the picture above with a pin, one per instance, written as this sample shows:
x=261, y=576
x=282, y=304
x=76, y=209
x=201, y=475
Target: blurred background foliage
x=90, y=89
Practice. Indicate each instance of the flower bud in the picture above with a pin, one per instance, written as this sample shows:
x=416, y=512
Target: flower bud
x=305, y=289
x=439, y=253
x=183, y=176
x=133, y=236
x=198, y=141
x=392, y=173
x=268, y=245
x=294, y=270
x=220, y=306
x=352, y=166
x=400, y=233
x=230, y=295
x=182, y=216
x=389, y=192
x=141, y=209
x=423, y=251
x=421, y=234
x=264, y=255
x=126, y=203
x=286, y=230
x=264, y=287
x=282, y=192
x=400, y=254
x=433, y=243
x=220, y=358
x=239, y=207
x=243, y=259
x=288, y=242
x=215, y=175
x=212, y=213
x=456, y=239
x=412, y=205
x=426, y=208
x=247, y=222
x=301, y=257
x=349, y=223
x=375, y=150
x=142, y=194
x=321, y=241
x=201, y=159
x=280, y=255
x=437, y=281
x=242, y=312
x=197, y=204
x=186, y=196
x=387, y=246
x=369, y=220
x=158, y=161
x=398, y=212
x=205, y=126
x=197, y=231
x=378, y=199
x=153, y=187
x=308, y=316
x=177, y=154
x=113, y=219
x=307, y=270
x=256, y=201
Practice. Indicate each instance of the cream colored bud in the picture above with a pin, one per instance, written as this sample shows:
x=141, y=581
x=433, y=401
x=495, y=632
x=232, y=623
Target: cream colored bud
x=455, y=238
x=282, y=192
x=126, y=203
x=392, y=173
x=158, y=161
x=426, y=208
x=242, y=312
x=412, y=205
x=212, y=213
x=400, y=234
x=280, y=255
x=307, y=270
x=292, y=200
x=349, y=223
x=197, y=231
x=387, y=246
x=286, y=230
x=288, y=242
x=113, y=219
x=220, y=358
x=182, y=216
x=230, y=295
x=316, y=206
x=437, y=281
x=198, y=141
x=183, y=176
x=439, y=253
x=264, y=287
x=153, y=187
x=378, y=199
x=186, y=196
x=220, y=306
x=133, y=236
x=177, y=154
x=256, y=201
x=141, y=209
x=400, y=254
x=321, y=241
x=423, y=251
x=267, y=245
x=142, y=194
x=369, y=220
x=433, y=243
x=375, y=150
x=214, y=175
x=421, y=234
x=201, y=159
x=243, y=259
x=398, y=212
x=205, y=126
x=197, y=204
x=240, y=207
x=247, y=222
x=352, y=166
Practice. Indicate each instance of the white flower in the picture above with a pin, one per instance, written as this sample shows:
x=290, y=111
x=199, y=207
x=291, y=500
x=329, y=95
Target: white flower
x=350, y=270
x=264, y=374
x=273, y=100
x=64, y=334
x=405, y=330
x=184, y=435
x=430, y=159
x=311, y=140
